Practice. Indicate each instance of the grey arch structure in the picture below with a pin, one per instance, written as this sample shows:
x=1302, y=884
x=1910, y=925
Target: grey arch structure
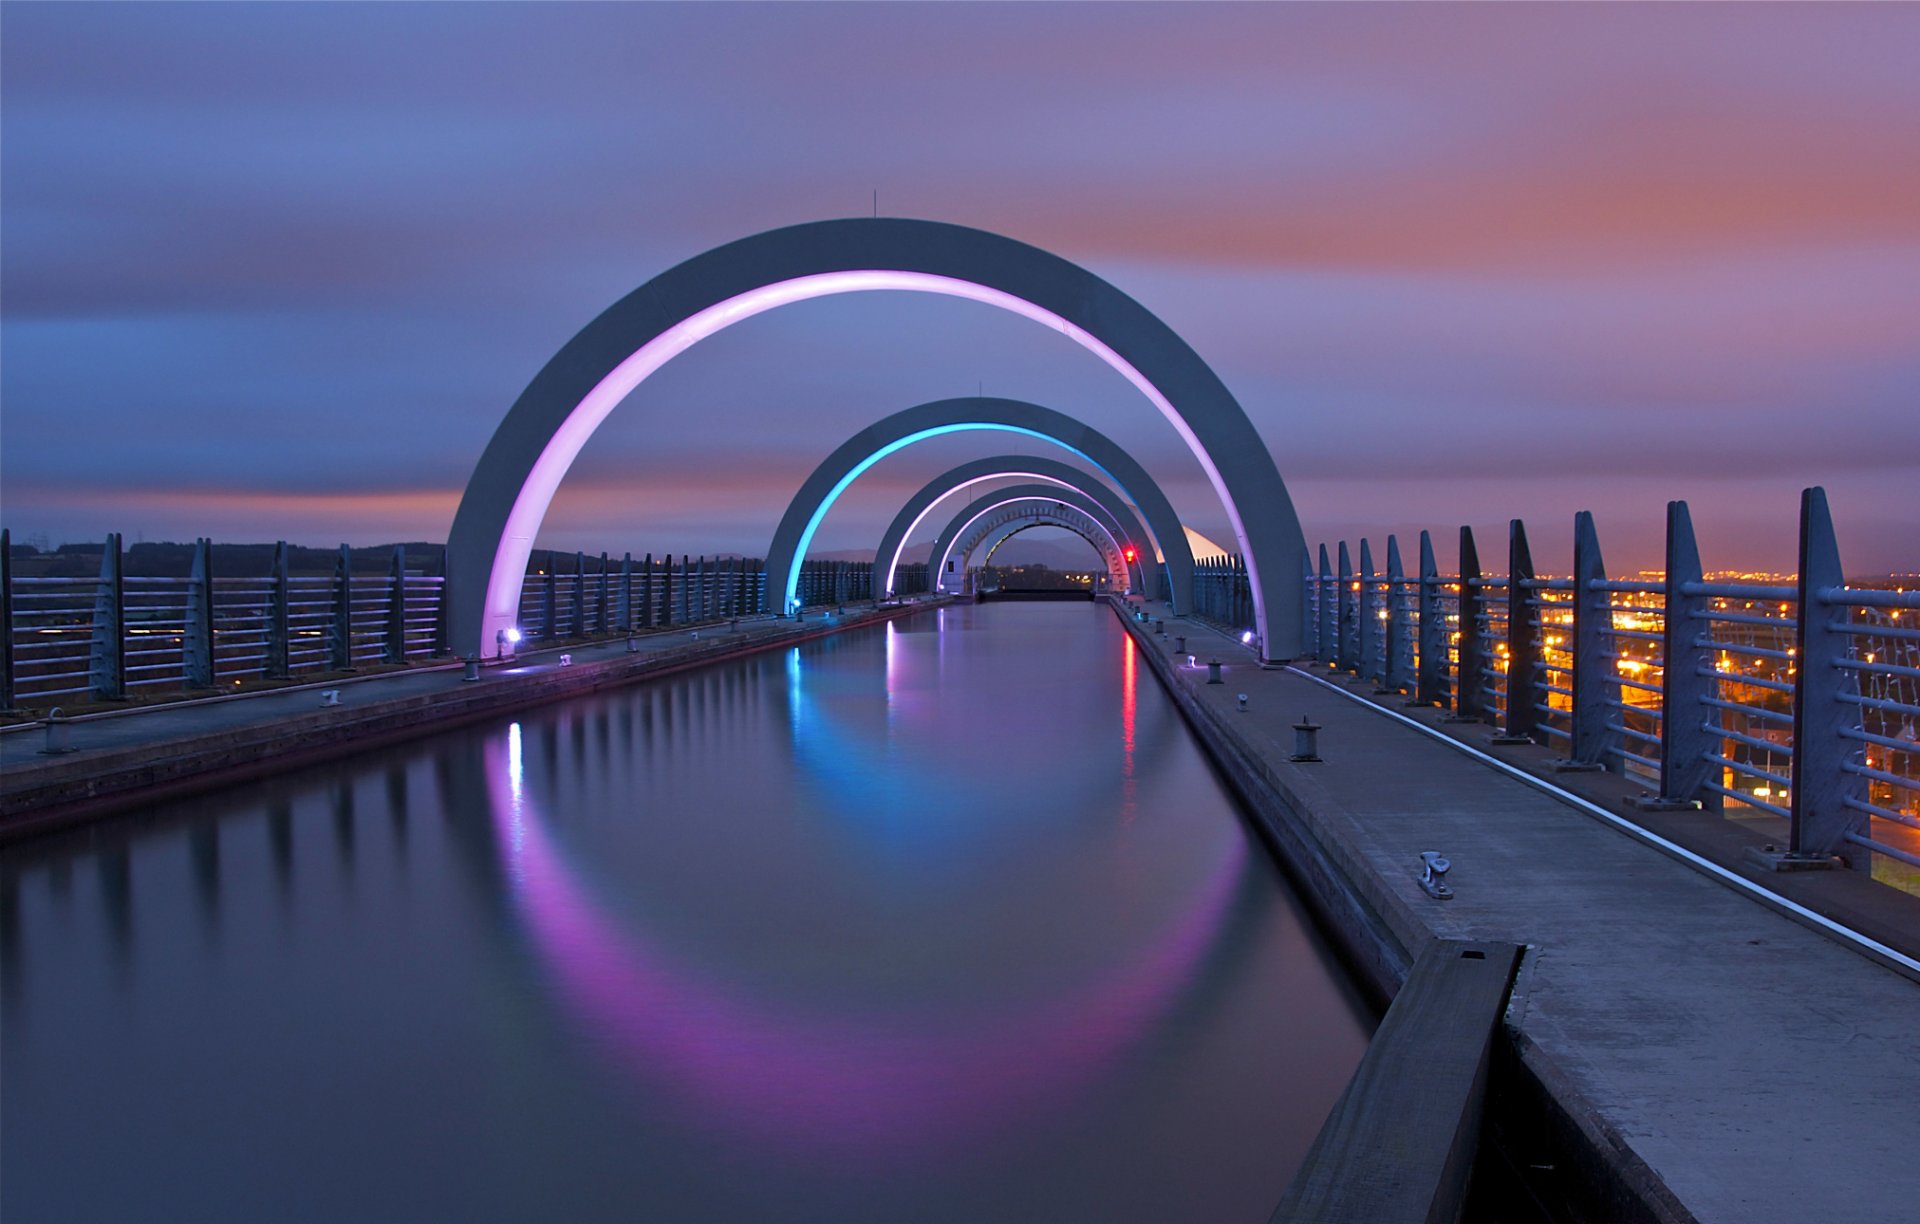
x=1040, y=506
x=940, y=417
x=514, y=482
x=887, y=559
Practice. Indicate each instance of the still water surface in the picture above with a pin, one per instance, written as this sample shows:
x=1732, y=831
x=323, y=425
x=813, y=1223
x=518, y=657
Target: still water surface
x=942, y=920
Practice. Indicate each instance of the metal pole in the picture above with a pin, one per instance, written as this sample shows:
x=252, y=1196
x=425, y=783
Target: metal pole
x=1368, y=619
x=623, y=605
x=1595, y=683
x=1826, y=699
x=1329, y=644
x=1349, y=655
x=397, y=606
x=1399, y=632
x=107, y=670
x=1431, y=688
x=550, y=600
x=1525, y=690
x=646, y=592
x=6, y=621
x=577, y=625
x=440, y=638
x=1689, y=727
x=196, y=644
x=280, y=616
x=340, y=631
x=1467, y=703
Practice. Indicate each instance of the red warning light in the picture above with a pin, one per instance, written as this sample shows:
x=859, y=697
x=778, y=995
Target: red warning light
x=1130, y=553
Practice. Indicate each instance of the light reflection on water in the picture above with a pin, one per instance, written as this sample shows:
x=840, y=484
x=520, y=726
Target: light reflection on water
x=943, y=920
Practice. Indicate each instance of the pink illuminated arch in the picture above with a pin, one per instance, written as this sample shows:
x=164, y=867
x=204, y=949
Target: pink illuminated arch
x=511, y=487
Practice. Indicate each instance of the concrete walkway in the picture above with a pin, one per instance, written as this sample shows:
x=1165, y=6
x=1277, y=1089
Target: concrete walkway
x=1746, y=1068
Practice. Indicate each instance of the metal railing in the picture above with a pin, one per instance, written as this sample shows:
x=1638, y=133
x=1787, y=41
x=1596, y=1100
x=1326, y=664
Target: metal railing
x=74, y=640
x=1795, y=702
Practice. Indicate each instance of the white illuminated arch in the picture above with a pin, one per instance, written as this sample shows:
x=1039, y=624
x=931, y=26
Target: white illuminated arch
x=514, y=482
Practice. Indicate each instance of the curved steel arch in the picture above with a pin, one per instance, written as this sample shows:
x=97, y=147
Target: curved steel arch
x=1055, y=503
x=887, y=560
x=512, y=485
x=968, y=530
x=939, y=417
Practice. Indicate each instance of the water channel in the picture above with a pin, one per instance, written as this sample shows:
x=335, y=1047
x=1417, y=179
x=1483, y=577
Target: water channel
x=947, y=919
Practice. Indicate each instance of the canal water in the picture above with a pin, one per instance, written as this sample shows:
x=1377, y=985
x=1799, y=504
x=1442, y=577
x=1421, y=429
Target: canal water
x=947, y=919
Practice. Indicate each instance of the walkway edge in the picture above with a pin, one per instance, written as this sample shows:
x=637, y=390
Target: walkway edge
x=1380, y=936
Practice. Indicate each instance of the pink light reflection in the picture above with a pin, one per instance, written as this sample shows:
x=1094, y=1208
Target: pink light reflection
x=530, y=505
x=855, y=1090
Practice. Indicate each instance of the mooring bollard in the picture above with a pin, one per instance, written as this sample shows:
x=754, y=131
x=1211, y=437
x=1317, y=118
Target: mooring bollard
x=1306, y=740
x=1241, y=698
x=1433, y=875
x=1213, y=671
x=633, y=644
x=472, y=671
x=329, y=697
x=1180, y=643
x=59, y=740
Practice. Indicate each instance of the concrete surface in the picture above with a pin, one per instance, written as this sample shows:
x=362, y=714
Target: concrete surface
x=1724, y=1061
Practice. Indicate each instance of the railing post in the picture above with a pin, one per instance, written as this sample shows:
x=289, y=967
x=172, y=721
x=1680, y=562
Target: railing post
x=1467, y=703
x=1596, y=685
x=196, y=641
x=107, y=667
x=1367, y=619
x=646, y=592
x=441, y=641
x=1525, y=690
x=1689, y=728
x=1305, y=648
x=550, y=599
x=578, y=612
x=1329, y=644
x=1431, y=688
x=604, y=617
x=1399, y=638
x=1826, y=700
x=397, y=606
x=280, y=616
x=6, y=621
x=340, y=630
x=1348, y=657
x=623, y=606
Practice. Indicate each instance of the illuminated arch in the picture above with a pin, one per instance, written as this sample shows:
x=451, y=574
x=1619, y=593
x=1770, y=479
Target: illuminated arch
x=893, y=543
x=512, y=485
x=1021, y=507
x=904, y=428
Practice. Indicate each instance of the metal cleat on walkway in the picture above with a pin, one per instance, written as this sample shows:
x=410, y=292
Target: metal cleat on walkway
x=1433, y=875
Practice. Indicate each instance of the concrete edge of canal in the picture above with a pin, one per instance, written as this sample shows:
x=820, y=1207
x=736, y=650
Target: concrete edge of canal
x=176, y=750
x=1532, y=1105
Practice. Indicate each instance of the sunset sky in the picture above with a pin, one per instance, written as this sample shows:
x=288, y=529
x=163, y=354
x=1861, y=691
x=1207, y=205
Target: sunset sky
x=278, y=271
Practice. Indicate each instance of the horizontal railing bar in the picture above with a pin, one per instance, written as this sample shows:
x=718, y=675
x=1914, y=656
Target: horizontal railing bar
x=1893, y=852
x=1867, y=597
x=1874, y=809
x=1741, y=767
x=1749, y=799
x=1635, y=684
x=1878, y=669
x=1880, y=703
x=1776, y=686
x=1883, y=741
x=1635, y=732
x=1736, y=590
x=1747, y=618
x=1897, y=633
x=1649, y=711
x=1764, y=745
x=1636, y=758
x=1880, y=775
x=1720, y=703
